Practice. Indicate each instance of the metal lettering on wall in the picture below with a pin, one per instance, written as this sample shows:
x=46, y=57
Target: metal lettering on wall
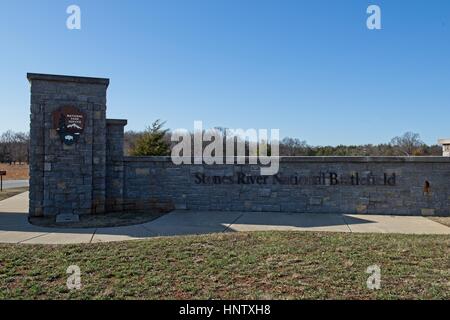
x=322, y=179
x=69, y=122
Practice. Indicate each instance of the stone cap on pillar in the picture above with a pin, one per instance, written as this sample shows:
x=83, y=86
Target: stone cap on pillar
x=61, y=78
x=116, y=122
x=443, y=142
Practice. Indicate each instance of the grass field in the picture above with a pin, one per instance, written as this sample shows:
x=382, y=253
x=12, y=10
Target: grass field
x=278, y=265
x=14, y=171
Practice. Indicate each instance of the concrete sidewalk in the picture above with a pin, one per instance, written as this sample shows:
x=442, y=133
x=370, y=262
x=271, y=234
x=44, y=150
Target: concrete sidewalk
x=15, y=228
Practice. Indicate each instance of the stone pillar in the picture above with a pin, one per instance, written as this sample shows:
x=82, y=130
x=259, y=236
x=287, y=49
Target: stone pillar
x=114, y=164
x=68, y=146
x=445, y=143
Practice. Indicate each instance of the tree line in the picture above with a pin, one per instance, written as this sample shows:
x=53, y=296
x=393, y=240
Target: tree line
x=14, y=147
x=155, y=141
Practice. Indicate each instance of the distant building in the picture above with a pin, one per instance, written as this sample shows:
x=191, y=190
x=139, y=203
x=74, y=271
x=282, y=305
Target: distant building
x=445, y=143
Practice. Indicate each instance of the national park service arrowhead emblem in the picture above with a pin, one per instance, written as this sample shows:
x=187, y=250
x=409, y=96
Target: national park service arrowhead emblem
x=69, y=123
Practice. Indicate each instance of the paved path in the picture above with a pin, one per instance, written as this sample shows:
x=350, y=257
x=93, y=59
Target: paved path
x=10, y=184
x=14, y=226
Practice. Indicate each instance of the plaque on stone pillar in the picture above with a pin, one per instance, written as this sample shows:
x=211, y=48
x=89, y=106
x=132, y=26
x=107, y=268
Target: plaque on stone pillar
x=69, y=122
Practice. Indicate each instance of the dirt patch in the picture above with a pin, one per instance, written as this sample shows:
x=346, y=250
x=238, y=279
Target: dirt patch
x=14, y=171
x=442, y=220
x=8, y=193
x=100, y=220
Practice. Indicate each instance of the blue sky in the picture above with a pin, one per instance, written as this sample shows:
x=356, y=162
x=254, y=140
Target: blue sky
x=310, y=68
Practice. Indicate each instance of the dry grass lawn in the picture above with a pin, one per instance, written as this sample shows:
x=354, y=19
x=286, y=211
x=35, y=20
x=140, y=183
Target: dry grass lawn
x=8, y=193
x=259, y=265
x=14, y=171
x=115, y=219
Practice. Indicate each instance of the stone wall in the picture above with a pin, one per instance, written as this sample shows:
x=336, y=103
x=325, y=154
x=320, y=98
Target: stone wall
x=93, y=176
x=380, y=185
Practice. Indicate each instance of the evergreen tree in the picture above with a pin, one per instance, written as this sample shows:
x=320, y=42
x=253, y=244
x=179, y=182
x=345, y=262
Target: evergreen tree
x=152, y=142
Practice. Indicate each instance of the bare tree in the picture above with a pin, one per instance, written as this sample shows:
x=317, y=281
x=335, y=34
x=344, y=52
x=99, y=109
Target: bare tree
x=14, y=147
x=409, y=144
x=293, y=147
